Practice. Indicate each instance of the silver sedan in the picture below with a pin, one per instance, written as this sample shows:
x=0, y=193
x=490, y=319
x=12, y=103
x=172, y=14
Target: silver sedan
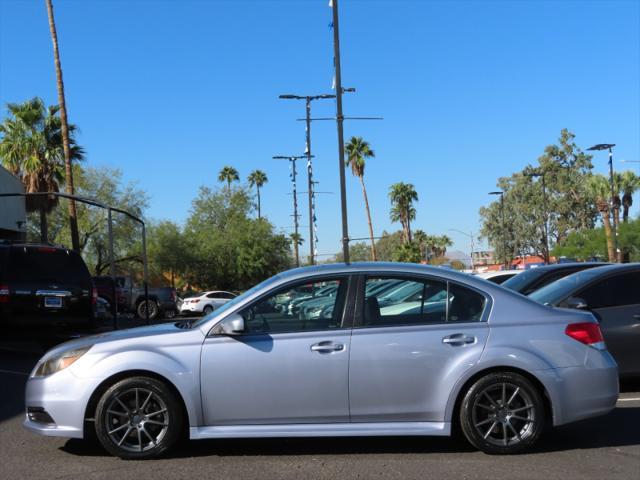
x=370, y=349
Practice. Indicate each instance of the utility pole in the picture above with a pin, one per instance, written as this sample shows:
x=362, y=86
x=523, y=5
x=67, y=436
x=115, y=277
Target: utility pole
x=339, y=122
x=308, y=99
x=504, y=230
x=296, y=235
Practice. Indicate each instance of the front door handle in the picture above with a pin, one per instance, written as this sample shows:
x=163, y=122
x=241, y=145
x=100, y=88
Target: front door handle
x=327, y=347
x=458, y=339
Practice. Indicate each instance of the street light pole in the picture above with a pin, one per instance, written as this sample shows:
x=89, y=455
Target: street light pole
x=308, y=99
x=339, y=122
x=609, y=146
x=504, y=231
x=470, y=235
x=292, y=161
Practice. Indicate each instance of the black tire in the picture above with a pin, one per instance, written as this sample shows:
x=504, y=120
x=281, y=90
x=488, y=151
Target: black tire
x=207, y=310
x=154, y=310
x=169, y=313
x=142, y=422
x=502, y=413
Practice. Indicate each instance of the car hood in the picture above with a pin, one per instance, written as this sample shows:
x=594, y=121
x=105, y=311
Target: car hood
x=139, y=332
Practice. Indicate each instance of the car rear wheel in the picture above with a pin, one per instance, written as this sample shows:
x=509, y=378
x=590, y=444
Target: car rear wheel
x=502, y=413
x=138, y=418
x=153, y=309
x=207, y=309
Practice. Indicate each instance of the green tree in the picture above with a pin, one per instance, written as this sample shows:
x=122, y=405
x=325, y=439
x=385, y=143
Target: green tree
x=402, y=196
x=31, y=148
x=387, y=245
x=408, y=252
x=358, y=252
x=257, y=179
x=629, y=183
x=566, y=206
x=228, y=174
x=167, y=250
x=229, y=249
x=296, y=241
x=107, y=186
x=600, y=191
x=358, y=151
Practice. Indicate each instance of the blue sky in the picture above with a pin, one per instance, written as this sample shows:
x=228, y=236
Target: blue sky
x=171, y=91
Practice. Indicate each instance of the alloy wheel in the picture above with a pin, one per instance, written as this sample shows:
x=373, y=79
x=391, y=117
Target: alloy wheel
x=137, y=419
x=503, y=414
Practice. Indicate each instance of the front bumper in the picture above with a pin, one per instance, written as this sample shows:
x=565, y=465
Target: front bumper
x=185, y=309
x=63, y=397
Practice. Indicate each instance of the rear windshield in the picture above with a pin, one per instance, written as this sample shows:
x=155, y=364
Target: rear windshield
x=521, y=282
x=45, y=264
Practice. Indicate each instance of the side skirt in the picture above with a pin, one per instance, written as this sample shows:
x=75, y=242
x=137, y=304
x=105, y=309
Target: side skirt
x=323, y=430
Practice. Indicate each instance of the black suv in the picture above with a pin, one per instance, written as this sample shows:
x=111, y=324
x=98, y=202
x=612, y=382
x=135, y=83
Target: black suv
x=42, y=284
x=536, y=278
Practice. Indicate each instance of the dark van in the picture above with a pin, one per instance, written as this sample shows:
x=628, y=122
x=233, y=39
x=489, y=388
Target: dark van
x=44, y=285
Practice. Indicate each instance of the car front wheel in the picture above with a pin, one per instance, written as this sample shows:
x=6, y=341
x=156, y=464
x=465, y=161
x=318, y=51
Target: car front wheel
x=138, y=418
x=502, y=413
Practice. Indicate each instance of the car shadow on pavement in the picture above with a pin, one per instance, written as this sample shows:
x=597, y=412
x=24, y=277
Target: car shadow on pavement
x=618, y=429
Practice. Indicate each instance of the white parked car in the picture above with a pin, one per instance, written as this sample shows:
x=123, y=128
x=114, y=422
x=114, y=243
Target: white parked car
x=206, y=302
x=498, y=276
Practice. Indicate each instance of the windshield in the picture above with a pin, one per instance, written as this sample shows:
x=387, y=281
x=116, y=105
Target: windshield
x=520, y=282
x=557, y=291
x=233, y=302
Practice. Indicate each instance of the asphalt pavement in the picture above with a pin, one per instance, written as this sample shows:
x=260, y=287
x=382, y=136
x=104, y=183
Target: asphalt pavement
x=602, y=448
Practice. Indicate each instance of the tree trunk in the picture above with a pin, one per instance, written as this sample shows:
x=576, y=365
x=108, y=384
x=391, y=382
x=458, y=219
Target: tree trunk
x=73, y=215
x=408, y=226
x=44, y=227
x=606, y=221
x=374, y=256
x=258, y=190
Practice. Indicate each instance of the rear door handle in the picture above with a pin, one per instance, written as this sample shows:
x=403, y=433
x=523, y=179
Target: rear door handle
x=458, y=339
x=327, y=347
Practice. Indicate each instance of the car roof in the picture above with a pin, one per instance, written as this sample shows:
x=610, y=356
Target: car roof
x=568, y=265
x=380, y=268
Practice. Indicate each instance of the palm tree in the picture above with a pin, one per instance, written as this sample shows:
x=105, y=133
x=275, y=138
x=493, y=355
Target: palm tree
x=296, y=240
x=358, y=150
x=629, y=183
x=257, y=179
x=31, y=148
x=65, y=132
x=600, y=191
x=228, y=174
x=422, y=239
x=402, y=196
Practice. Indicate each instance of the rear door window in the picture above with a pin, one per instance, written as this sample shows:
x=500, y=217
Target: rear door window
x=46, y=264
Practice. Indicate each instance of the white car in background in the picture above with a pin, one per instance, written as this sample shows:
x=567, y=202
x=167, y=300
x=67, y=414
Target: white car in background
x=498, y=276
x=206, y=302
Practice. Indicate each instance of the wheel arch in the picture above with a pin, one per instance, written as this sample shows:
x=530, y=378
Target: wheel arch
x=453, y=408
x=90, y=408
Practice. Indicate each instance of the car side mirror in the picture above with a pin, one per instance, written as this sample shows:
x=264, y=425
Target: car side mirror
x=232, y=325
x=577, y=303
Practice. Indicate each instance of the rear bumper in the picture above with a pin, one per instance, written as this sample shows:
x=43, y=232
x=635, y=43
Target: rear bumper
x=584, y=391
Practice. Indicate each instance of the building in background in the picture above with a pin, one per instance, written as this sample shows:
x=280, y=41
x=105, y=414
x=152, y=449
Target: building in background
x=13, y=215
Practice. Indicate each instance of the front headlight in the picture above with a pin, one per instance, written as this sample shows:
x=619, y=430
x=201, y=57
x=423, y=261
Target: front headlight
x=59, y=362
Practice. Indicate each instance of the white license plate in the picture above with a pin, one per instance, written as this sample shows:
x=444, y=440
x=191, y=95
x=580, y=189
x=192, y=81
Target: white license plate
x=53, y=302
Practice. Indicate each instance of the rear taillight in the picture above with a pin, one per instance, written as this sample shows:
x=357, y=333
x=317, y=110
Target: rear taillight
x=94, y=295
x=4, y=293
x=173, y=295
x=587, y=333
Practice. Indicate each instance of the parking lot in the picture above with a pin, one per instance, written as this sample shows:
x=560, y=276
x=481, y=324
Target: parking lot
x=606, y=447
